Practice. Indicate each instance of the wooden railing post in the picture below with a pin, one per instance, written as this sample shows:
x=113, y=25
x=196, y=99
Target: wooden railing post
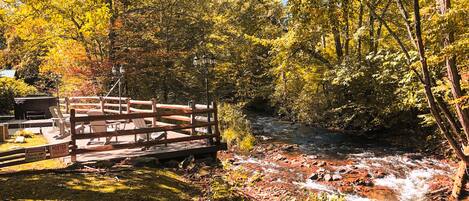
x=101, y=103
x=215, y=120
x=128, y=106
x=192, y=105
x=67, y=105
x=153, y=109
x=73, y=136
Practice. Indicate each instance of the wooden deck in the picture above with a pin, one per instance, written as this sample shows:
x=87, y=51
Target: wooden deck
x=173, y=150
x=188, y=130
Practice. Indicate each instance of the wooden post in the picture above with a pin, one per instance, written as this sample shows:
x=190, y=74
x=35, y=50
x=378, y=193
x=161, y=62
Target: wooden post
x=154, y=109
x=460, y=178
x=192, y=105
x=101, y=103
x=128, y=106
x=73, y=136
x=3, y=132
x=215, y=120
x=67, y=105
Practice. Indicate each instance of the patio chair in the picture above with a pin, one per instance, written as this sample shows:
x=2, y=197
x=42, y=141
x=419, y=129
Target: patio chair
x=62, y=123
x=100, y=126
x=140, y=123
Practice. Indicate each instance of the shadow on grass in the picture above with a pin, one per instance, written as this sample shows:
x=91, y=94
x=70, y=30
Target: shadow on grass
x=141, y=184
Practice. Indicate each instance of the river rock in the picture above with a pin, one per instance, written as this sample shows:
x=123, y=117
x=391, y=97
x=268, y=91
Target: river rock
x=321, y=170
x=186, y=162
x=327, y=177
x=342, y=171
x=336, y=177
x=321, y=164
x=289, y=148
x=379, y=175
x=280, y=158
x=363, y=182
x=314, y=176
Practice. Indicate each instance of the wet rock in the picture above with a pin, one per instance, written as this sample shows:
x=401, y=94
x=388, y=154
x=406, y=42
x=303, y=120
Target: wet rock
x=342, y=170
x=327, y=177
x=321, y=164
x=414, y=156
x=336, y=177
x=289, y=148
x=314, y=176
x=379, y=175
x=363, y=182
x=186, y=162
x=280, y=158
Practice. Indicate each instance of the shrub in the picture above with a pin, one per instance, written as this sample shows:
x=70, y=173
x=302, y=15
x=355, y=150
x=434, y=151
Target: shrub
x=10, y=88
x=235, y=127
x=24, y=133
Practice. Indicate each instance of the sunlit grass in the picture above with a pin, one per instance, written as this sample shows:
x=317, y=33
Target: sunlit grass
x=139, y=184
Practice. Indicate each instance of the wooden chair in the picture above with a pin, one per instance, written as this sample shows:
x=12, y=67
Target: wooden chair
x=99, y=126
x=62, y=123
x=140, y=123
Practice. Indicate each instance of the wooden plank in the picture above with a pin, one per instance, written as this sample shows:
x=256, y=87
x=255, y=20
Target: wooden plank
x=73, y=135
x=140, y=102
x=115, y=105
x=140, y=110
x=85, y=104
x=84, y=97
x=18, y=162
x=115, y=98
x=140, y=131
x=137, y=115
x=201, y=106
x=12, y=152
x=178, y=118
x=141, y=144
x=111, y=111
x=12, y=157
x=175, y=107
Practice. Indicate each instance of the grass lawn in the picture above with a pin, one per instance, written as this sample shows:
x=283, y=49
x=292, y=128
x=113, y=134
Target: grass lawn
x=34, y=141
x=139, y=184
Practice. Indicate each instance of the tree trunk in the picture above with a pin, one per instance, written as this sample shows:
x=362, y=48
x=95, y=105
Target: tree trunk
x=427, y=86
x=453, y=74
x=360, y=24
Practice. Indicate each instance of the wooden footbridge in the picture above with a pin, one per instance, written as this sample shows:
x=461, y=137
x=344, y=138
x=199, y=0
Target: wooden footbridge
x=190, y=130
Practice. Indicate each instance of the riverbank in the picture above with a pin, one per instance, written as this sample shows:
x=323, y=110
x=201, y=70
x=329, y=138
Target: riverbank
x=291, y=161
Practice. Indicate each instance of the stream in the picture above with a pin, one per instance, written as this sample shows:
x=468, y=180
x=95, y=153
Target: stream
x=292, y=159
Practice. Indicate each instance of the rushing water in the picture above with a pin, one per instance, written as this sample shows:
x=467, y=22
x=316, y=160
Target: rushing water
x=406, y=173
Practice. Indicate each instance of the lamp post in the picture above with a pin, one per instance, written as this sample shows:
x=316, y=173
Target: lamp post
x=120, y=73
x=206, y=61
